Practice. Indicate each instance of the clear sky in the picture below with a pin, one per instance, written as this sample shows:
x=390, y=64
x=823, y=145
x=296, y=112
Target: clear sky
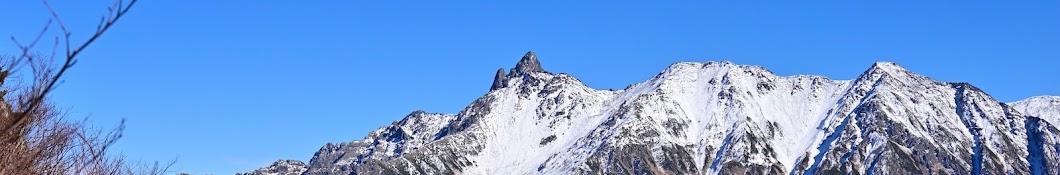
x=230, y=86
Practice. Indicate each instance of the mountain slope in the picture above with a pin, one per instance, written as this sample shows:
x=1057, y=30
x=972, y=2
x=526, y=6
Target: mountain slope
x=710, y=118
x=281, y=167
x=1044, y=147
x=1045, y=107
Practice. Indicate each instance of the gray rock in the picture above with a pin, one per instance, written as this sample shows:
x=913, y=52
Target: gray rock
x=527, y=64
x=498, y=80
x=280, y=167
x=712, y=118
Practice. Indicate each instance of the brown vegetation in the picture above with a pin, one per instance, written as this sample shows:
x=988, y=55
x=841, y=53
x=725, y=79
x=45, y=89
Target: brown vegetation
x=36, y=137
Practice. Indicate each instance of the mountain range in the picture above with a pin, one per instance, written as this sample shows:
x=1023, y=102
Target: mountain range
x=711, y=118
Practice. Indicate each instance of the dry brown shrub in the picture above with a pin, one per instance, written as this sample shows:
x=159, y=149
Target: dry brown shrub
x=38, y=138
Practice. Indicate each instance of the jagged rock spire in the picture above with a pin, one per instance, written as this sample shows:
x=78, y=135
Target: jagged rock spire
x=498, y=80
x=528, y=64
x=525, y=66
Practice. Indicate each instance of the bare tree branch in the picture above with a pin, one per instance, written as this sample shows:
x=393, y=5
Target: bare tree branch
x=35, y=138
x=111, y=18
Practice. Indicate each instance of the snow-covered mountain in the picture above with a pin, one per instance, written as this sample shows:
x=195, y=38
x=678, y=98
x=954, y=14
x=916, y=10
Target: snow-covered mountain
x=1045, y=107
x=281, y=167
x=710, y=118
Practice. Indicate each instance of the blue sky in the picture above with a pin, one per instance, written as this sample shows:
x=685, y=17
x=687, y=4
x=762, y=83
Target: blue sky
x=229, y=86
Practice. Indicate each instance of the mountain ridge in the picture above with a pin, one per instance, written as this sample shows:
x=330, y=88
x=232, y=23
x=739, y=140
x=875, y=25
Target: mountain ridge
x=1045, y=107
x=707, y=118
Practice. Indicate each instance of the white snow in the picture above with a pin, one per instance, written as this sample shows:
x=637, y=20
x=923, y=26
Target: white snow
x=714, y=105
x=1045, y=107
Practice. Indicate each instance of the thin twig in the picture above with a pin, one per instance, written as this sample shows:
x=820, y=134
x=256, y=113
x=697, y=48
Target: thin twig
x=34, y=102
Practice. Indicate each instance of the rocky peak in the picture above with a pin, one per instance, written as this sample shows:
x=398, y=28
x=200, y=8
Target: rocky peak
x=498, y=80
x=280, y=167
x=887, y=65
x=705, y=118
x=527, y=64
x=889, y=68
x=892, y=74
x=418, y=112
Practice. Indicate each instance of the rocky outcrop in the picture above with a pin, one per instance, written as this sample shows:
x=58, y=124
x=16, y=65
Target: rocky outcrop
x=712, y=118
x=280, y=167
x=498, y=80
x=527, y=65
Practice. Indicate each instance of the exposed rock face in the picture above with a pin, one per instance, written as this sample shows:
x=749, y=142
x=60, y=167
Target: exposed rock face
x=498, y=80
x=527, y=64
x=280, y=167
x=711, y=118
x=380, y=146
x=1042, y=141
